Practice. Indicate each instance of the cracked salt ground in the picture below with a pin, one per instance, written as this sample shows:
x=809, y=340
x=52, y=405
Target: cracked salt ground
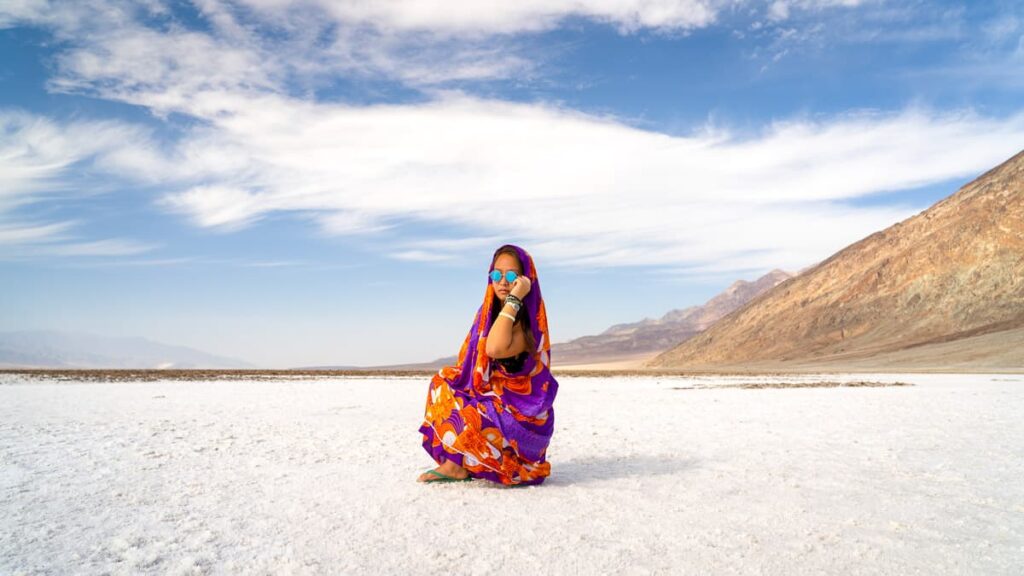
x=319, y=478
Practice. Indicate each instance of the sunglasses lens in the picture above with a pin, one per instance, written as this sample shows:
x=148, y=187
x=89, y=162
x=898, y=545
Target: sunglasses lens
x=496, y=275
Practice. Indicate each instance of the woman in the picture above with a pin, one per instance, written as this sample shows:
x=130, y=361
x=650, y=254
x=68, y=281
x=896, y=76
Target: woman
x=490, y=415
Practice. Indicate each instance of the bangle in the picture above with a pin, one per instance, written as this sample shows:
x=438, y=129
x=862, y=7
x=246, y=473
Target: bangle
x=514, y=300
x=515, y=305
x=509, y=316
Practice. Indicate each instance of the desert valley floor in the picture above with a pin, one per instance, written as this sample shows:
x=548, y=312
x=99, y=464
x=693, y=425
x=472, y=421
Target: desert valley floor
x=650, y=475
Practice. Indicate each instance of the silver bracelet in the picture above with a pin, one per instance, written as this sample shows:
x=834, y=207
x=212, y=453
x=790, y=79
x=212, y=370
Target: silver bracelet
x=513, y=304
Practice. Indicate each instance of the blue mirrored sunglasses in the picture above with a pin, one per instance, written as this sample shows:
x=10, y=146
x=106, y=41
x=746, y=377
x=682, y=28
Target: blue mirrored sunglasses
x=509, y=275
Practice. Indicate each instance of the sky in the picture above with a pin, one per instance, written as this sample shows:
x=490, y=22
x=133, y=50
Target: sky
x=324, y=182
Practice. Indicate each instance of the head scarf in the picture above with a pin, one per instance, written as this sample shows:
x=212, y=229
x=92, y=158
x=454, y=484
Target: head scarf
x=528, y=393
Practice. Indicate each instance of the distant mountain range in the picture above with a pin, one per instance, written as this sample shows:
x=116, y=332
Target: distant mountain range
x=54, y=349
x=941, y=290
x=650, y=336
x=628, y=343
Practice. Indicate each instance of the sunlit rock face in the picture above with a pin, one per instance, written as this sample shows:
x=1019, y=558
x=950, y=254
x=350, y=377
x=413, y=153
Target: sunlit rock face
x=944, y=288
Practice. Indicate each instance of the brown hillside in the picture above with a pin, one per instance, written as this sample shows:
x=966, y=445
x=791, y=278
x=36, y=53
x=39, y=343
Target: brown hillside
x=951, y=272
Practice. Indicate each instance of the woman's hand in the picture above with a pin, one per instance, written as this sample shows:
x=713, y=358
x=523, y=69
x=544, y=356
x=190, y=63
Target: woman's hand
x=521, y=287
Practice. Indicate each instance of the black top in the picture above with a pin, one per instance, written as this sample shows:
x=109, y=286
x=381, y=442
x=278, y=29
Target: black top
x=513, y=363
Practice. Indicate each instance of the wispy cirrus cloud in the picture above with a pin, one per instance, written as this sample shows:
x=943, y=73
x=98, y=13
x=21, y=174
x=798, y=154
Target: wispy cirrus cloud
x=24, y=233
x=35, y=150
x=584, y=189
x=20, y=241
x=778, y=10
x=41, y=160
x=150, y=47
x=477, y=17
x=109, y=247
x=978, y=46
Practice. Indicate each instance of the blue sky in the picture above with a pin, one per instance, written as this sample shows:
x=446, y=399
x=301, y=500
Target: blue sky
x=315, y=182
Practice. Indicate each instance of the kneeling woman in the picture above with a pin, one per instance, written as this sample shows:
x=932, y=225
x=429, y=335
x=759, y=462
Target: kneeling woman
x=490, y=416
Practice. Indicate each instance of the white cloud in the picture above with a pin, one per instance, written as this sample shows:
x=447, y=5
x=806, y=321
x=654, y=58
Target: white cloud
x=21, y=233
x=14, y=12
x=225, y=207
x=584, y=190
x=350, y=222
x=37, y=159
x=172, y=65
x=446, y=249
x=474, y=17
x=35, y=150
x=108, y=247
x=581, y=189
x=420, y=255
x=121, y=49
x=781, y=9
x=141, y=52
x=824, y=28
x=26, y=242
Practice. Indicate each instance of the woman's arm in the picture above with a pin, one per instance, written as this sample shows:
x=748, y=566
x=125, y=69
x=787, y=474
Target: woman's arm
x=505, y=339
x=502, y=340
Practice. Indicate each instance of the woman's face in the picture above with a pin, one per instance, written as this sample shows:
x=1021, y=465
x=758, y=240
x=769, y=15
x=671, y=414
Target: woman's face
x=504, y=263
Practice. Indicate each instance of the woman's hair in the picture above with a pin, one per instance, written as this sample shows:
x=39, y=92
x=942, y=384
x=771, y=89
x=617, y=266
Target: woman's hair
x=523, y=316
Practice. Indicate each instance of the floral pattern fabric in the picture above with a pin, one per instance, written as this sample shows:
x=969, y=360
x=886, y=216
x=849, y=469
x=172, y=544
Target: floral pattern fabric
x=494, y=423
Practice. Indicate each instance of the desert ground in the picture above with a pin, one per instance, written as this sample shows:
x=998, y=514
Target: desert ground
x=741, y=474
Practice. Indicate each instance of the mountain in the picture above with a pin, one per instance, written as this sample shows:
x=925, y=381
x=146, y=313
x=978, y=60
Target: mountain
x=52, y=349
x=903, y=297
x=648, y=336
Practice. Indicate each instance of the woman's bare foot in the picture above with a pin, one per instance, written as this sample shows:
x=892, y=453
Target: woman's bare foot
x=449, y=468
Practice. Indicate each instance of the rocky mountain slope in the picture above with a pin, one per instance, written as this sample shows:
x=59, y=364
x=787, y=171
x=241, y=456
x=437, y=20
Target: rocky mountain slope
x=953, y=272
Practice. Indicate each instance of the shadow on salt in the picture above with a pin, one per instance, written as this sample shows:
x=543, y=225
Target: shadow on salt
x=603, y=468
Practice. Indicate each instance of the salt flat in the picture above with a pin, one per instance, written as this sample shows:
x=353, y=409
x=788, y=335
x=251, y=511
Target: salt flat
x=317, y=476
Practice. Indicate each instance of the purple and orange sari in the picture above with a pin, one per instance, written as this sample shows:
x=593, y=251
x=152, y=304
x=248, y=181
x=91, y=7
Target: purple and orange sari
x=495, y=424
